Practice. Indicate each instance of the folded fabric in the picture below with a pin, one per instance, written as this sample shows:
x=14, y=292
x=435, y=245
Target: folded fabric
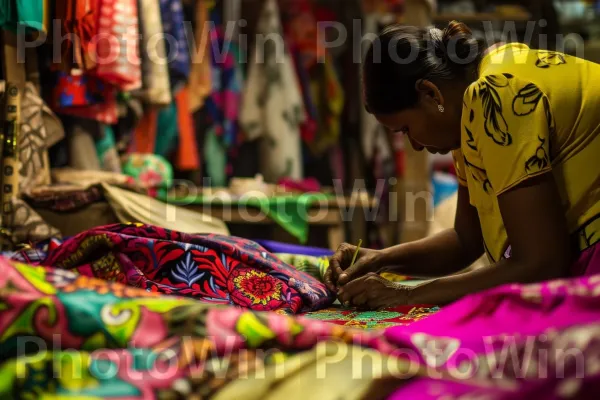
x=213, y=268
x=290, y=212
x=135, y=207
x=66, y=200
x=313, y=266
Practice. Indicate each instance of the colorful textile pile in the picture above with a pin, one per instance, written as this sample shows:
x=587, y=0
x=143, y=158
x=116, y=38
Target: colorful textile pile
x=396, y=316
x=81, y=337
x=512, y=342
x=213, y=268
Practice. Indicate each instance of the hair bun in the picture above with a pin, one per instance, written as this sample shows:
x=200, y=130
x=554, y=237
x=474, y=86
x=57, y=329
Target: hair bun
x=459, y=45
x=456, y=30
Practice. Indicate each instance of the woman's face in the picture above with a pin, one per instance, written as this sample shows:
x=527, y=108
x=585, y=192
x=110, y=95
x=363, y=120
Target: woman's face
x=426, y=127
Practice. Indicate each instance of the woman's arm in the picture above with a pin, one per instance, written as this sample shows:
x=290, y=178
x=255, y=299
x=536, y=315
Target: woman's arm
x=536, y=227
x=444, y=253
x=537, y=231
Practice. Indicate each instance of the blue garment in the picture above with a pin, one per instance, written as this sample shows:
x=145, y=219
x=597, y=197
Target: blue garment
x=173, y=26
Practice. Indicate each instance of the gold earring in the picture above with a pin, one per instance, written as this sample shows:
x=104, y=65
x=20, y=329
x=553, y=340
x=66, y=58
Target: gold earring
x=441, y=108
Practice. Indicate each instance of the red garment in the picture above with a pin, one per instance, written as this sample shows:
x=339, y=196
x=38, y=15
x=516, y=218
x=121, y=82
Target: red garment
x=78, y=33
x=85, y=96
x=117, y=45
x=144, y=137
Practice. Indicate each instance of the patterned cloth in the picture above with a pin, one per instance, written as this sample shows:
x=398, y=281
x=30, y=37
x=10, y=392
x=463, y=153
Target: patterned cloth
x=273, y=107
x=67, y=201
x=171, y=12
x=118, y=59
x=159, y=347
x=381, y=319
x=155, y=72
x=223, y=104
x=83, y=95
x=214, y=268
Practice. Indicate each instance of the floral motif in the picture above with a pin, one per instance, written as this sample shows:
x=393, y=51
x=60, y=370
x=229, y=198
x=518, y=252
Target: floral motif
x=526, y=100
x=549, y=58
x=480, y=175
x=259, y=287
x=539, y=160
x=487, y=90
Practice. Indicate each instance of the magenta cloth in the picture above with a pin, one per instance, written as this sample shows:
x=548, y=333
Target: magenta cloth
x=307, y=185
x=511, y=342
x=287, y=248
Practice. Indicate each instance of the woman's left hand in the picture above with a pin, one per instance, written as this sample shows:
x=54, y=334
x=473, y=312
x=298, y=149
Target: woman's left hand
x=371, y=291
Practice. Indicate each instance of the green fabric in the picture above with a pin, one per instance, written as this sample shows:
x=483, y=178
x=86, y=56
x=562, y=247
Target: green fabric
x=26, y=12
x=313, y=266
x=290, y=212
x=106, y=143
x=166, y=130
x=216, y=159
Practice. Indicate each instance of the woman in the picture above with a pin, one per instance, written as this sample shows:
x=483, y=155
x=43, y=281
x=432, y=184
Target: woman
x=523, y=126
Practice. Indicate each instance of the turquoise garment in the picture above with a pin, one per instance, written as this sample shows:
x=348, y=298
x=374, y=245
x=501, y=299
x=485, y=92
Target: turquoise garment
x=27, y=13
x=167, y=131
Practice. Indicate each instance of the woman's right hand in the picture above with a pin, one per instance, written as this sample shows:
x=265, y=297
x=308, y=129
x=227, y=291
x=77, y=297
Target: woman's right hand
x=340, y=272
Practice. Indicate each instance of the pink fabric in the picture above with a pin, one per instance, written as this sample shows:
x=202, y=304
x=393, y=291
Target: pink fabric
x=306, y=185
x=514, y=341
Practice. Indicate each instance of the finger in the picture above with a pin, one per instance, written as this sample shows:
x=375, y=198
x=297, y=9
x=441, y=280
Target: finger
x=339, y=259
x=354, y=287
x=360, y=299
x=328, y=280
x=352, y=272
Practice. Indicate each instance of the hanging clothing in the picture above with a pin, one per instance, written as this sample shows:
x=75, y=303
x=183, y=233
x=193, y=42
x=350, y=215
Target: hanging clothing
x=82, y=95
x=200, y=74
x=223, y=104
x=15, y=13
x=155, y=73
x=78, y=33
x=328, y=96
x=40, y=129
x=107, y=151
x=171, y=12
x=144, y=136
x=166, y=126
x=119, y=62
x=273, y=108
x=187, y=158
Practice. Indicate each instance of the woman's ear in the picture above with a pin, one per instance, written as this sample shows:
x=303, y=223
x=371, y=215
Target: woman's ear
x=428, y=92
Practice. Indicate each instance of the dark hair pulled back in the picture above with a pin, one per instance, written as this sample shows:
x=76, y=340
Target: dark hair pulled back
x=403, y=54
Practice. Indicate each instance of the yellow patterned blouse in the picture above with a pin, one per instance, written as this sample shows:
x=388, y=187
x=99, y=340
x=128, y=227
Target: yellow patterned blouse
x=530, y=112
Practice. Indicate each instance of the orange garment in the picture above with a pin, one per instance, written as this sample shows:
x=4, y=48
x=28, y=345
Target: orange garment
x=77, y=31
x=187, y=153
x=200, y=74
x=144, y=137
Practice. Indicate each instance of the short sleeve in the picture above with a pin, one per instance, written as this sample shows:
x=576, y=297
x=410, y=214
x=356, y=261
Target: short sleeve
x=459, y=167
x=509, y=126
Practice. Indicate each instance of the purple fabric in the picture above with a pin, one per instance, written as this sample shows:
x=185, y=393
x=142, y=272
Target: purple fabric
x=514, y=341
x=278, y=247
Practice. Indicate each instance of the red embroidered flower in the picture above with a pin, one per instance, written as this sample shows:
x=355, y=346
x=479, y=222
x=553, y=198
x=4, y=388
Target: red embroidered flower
x=255, y=289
